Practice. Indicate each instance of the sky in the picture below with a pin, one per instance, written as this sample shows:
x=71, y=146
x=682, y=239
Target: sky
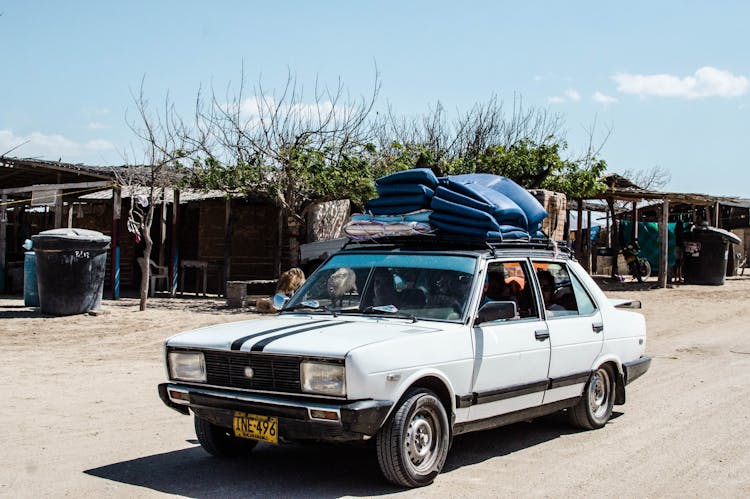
x=669, y=80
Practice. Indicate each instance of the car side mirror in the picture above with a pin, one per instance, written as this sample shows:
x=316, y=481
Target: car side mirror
x=496, y=310
x=279, y=300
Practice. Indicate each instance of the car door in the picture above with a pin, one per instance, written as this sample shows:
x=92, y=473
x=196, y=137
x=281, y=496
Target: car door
x=575, y=329
x=512, y=355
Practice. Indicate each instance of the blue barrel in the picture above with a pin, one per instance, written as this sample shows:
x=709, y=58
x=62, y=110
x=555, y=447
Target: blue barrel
x=30, y=288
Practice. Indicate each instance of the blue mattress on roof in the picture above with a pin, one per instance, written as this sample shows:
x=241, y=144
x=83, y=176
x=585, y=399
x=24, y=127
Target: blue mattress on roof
x=500, y=206
x=483, y=185
x=480, y=205
x=422, y=176
x=404, y=189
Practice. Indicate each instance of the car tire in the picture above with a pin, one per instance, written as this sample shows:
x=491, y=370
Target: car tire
x=219, y=441
x=595, y=407
x=413, y=444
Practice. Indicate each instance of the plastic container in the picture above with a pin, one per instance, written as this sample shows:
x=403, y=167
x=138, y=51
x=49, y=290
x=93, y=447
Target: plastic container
x=30, y=288
x=70, y=266
x=705, y=255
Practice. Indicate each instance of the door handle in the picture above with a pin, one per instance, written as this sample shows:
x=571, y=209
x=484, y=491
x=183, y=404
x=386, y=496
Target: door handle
x=598, y=327
x=541, y=335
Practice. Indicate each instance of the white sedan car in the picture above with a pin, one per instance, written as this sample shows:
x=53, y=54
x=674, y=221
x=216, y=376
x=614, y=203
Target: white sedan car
x=410, y=344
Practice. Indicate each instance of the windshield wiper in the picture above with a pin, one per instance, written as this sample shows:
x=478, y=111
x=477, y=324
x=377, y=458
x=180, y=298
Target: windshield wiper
x=390, y=311
x=312, y=305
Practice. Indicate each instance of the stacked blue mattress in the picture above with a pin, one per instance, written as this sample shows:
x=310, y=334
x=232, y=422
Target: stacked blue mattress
x=478, y=205
x=403, y=192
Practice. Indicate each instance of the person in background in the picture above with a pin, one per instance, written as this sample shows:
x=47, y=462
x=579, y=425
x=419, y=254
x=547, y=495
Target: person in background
x=679, y=245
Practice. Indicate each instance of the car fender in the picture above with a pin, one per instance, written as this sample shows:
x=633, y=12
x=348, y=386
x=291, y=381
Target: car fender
x=619, y=375
x=607, y=357
x=413, y=378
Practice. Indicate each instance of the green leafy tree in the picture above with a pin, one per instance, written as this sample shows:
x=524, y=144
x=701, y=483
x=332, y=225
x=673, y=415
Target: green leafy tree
x=525, y=146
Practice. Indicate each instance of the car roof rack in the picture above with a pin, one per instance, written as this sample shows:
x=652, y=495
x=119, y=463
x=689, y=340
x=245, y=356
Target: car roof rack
x=429, y=241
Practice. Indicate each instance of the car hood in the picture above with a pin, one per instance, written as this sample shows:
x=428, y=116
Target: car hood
x=312, y=335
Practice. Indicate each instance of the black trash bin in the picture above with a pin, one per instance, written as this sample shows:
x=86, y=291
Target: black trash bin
x=705, y=255
x=70, y=266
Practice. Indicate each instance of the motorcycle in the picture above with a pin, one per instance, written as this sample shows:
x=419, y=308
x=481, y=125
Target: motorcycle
x=638, y=266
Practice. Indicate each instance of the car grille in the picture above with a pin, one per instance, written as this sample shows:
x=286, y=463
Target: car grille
x=276, y=373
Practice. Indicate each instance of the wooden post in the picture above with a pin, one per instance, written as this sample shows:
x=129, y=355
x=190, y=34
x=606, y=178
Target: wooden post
x=635, y=220
x=279, y=244
x=609, y=233
x=58, y=210
x=115, y=251
x=579, y=231
x=717, y=214
x=664, y=244
x=173, y=252
x=227, y=243
x=163, y=228
x=589, y=245
x=3, y=232
x=615, y=237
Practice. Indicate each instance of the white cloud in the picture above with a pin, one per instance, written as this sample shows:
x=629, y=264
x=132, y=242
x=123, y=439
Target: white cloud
x=95, y=125
x=573, y=95
x=603, y=98
x=570, y=95
x=37, y=144
x=705, y=82
x=252, y=108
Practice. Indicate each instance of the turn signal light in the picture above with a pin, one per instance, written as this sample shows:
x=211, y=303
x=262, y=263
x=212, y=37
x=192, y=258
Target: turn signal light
x=321, y=414
x=176, y=395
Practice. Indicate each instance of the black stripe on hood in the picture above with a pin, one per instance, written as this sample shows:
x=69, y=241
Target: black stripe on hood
x=258, y=347
x=237, y=344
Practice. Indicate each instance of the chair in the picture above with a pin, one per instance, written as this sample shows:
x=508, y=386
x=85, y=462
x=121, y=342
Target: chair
x=156, y=272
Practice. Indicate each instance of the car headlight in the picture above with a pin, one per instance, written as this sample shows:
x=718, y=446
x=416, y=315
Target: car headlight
x=323, y=378
x=187, y=366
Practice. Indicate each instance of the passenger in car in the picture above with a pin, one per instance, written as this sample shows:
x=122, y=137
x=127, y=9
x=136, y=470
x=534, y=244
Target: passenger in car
x=447, y=291
x=547, y=285
x=498, y=289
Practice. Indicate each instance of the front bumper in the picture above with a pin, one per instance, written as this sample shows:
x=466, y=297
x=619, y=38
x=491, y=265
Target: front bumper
x=636, y=369
x=357, y=420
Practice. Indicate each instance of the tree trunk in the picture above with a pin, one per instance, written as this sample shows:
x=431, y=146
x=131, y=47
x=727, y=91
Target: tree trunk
x=145, y=265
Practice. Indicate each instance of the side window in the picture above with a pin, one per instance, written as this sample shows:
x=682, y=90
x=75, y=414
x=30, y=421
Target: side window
x=585, y=305
x=509, y=281
x=562, y=292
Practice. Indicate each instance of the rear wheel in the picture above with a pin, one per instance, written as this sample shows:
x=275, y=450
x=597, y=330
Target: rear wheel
x=645, y=267
x=413, y=443
x=595, y=407
x=220, y=441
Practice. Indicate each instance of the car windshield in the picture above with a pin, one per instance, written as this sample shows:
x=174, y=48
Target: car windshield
x=417, y=286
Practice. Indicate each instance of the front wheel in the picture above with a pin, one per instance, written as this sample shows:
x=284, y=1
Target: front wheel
x=220, y=441
x=595, y=407
x=413, y=443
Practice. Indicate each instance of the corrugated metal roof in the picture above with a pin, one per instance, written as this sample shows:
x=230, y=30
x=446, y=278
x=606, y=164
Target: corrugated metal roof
x=186, y=195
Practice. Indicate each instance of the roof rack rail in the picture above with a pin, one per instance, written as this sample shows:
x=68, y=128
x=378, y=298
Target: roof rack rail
x=462, y=242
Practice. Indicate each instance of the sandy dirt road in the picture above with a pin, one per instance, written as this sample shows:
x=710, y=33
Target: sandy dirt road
x=81, y=417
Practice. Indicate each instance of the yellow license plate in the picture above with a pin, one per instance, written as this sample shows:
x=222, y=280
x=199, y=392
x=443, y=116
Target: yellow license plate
x=256, y=427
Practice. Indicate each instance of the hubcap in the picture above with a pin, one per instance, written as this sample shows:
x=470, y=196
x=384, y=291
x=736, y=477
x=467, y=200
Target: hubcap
x=422, y=440
x=599, y=393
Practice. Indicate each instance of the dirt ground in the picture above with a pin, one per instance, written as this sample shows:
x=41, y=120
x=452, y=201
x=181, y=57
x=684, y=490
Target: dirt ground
x=81, y=416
